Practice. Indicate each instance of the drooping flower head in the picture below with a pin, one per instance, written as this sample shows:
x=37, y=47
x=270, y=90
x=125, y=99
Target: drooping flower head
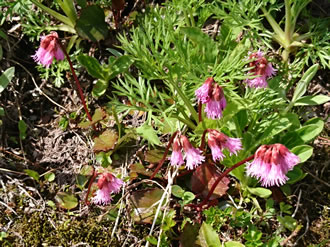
x=176, y=157
x=218, y=141
x=211, y=94
x=271, y=164
x=261, y=68
x=204, y=92
x=49, y=48
x=107, y=184
x=192, y=155
x=216, y=104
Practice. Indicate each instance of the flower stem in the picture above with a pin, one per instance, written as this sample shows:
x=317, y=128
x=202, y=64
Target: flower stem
x=203, y=140
x=164, y=156
x=225, y=173
x=81, y=94
x=200, y=111
x=90, y=185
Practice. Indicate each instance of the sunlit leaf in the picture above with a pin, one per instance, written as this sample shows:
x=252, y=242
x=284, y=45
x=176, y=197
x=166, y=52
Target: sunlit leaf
x=33, y=174
x=50, y=177
x=144, y=204
x=106, y=141
x=66, y=200
x=91, y=24
x=208, y=237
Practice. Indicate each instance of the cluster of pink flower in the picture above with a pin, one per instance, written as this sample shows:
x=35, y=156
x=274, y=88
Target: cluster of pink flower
x=107, y=184
x=262, y=69
x=211, y=94
x=217, y=141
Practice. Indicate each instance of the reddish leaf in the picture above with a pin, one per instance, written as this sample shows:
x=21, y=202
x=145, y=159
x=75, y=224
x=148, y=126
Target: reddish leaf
x=144, y=204
x=106, y=141
x=204, y=177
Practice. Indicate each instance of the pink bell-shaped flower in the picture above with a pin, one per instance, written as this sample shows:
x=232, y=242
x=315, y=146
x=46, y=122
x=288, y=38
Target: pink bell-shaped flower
x=192, y=155
x=211, y=94
x=262, y=69
x=271, y=164
x=107, y=184
x=218, y=141
x=49, y=48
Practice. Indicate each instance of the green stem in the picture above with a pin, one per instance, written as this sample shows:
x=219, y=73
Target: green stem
x=277, y=29
x=117, y=121
x=192, y=20
x=288, y=27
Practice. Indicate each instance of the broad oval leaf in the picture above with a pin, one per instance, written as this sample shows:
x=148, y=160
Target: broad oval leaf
x=303, y=83
x=312, y=100
x=66, y=200
x=259, y=191
x=208, y=237
x=106, y=141
x=6, y=77
x=91, y=24
x=92, y=65
x=303, y=151
x=233, y=244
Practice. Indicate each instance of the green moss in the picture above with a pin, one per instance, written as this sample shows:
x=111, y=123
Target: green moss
x=36, y=230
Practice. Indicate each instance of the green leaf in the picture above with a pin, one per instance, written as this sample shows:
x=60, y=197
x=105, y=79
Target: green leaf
x=100, y=88
x=259, y=191
x=66, y=200
x=68, y=8
x=148, y=133
x=55, y=14
x=92, y=65
x=152, y=240
x=188, y=197
x=233, y=244
x=50, y=177
x=6, y=77
x=120, y=65
x=63, y=123
x=33, y=174
x=288, y=222
x=208, y=237
x=91, y=24
x=303, y=151
x=276, y=127
x=22, y=129
x=312, y=100
x=51, y=204
x=201, y=40
x=309, y=132
x=295, y=175
x=303, y=83
x=177, y=191
x=2, y=112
